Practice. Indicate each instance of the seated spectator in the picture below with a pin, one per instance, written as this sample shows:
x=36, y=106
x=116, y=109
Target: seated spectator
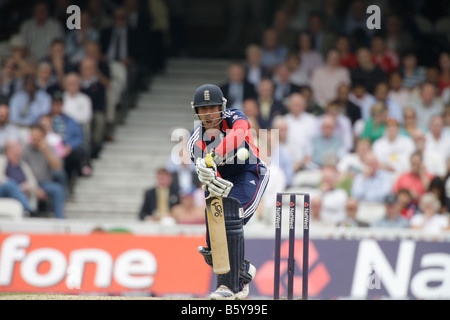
x=436, y=140
x=283, y=85
x=44, y=79
x=347, y=107
x=393, y=217
x=444, y=72
x=72, y=136
x=326, y=79
x=76, y=39
x=302, y=126
x=372, y=185
x=312, y=106
x=409, y=126
x=113, y=80
x=237, y=88
x=254, y=70
x=332, y=199
x=398, y=37
x=393, y=149
x=28, y=104
x=351, y=220
x=433, y=160
x=397, y=93
x=287, y=159
x=347, y=57
x=44, y=161
x=273, y=53
x=366, y=73
x=39, y=31
x=353, y=163
x=417, y=180
x=10, y=83
x=429, y=219
x=326, y=144
x=286, y=34
x=375, y=126
x=297, y=75
x=406, y=204
x=95, y=90
x=78, y=106
x=17, y=180
x=51, y=137
x=437, y=187
x=8, y=130
x=160, y=199
x=250, y=108
x=413, y=75
x=191, y=209
x=343, y=126
x=23, y=62
x=381, y=93
x=383, y=56
x=427, y=105
x=317, y=221
x=310, y=58
x=269, y=107
x=59, y=61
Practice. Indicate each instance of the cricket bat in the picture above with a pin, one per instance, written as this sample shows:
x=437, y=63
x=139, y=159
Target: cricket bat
x=217, y=231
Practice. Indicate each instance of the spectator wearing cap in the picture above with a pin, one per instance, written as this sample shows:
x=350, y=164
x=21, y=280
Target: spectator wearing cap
x=392, y=217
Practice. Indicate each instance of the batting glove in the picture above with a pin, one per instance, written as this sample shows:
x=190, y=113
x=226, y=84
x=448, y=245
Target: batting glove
x=220, y=187
x=205, y=174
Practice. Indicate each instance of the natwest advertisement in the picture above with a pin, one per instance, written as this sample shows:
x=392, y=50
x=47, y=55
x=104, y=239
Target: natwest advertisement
x=171, y=266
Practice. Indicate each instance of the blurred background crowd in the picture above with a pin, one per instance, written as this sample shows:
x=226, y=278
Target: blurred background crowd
x=361, y=115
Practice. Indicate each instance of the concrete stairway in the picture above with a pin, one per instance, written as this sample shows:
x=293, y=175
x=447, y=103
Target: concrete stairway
x=144, y=143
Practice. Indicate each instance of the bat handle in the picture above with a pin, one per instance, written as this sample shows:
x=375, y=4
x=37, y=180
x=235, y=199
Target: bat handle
x=209, y=160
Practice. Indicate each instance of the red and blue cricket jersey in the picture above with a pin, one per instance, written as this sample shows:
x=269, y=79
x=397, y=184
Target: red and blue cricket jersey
x=249, y=175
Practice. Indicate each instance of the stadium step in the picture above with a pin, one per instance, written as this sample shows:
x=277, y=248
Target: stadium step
x=127, y=166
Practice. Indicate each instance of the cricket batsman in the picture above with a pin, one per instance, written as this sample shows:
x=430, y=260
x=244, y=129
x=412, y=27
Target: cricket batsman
x=237, y=176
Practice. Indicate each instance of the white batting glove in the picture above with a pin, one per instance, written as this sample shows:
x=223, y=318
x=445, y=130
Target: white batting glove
x=205, y=174
x=220, y=187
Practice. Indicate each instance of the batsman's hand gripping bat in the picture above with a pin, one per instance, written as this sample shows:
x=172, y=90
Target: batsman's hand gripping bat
x=217, y=231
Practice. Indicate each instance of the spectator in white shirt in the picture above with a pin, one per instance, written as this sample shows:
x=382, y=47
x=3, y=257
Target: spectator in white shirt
x=436, y=140
x=78, y=106
x=393, y=149
x=302, y=127
x=429, y=220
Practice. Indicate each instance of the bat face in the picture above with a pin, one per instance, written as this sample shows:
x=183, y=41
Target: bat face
x=217, y=235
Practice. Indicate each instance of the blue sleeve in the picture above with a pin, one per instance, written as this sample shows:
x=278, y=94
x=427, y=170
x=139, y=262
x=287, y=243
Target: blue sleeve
x=74, y=134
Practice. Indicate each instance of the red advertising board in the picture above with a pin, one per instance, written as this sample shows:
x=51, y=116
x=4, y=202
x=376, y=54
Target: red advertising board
x=108, y=263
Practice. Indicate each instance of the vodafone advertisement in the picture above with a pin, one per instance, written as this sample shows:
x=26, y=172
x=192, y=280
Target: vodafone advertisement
x=118, y=264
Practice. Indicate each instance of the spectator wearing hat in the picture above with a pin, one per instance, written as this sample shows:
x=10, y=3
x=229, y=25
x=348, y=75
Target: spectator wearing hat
x=392, y=217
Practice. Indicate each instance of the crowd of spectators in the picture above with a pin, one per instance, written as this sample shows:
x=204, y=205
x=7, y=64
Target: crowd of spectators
x=362, y=116
x=64, y=90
